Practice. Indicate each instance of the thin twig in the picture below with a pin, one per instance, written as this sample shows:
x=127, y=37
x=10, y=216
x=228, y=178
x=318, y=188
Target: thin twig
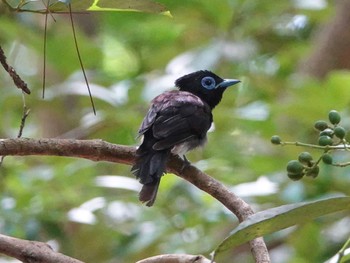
x=44, y=55
x=342, y=251
x=45, y=42
x=13, y=74
x=80, y=60
x=23, y=119
x=21, y=127
x=309, y=145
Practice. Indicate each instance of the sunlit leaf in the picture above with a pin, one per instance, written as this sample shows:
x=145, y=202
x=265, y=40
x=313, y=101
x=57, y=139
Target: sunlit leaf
x=345, y=258
x=108, y=5
x=77, y=6
x=130, y=5
x=281, y=217
x=59, y=6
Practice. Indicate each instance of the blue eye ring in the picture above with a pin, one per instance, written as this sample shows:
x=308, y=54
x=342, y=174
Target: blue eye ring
x=208, y=83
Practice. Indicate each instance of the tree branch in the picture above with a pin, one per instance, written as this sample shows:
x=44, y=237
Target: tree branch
x=176, y=258
x=32, y=251
x=98, y=150
x=13, y=74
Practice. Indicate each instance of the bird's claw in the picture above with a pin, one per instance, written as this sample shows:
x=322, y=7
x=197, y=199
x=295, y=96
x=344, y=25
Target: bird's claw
x=185, y=164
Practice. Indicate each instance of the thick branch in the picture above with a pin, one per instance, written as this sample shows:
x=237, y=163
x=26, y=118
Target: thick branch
x=32, y=251
x=94, y=150
x=98, y=150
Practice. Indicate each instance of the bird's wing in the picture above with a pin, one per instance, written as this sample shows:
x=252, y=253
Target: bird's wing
x=163, y=102
x=148, y=120
x=182, y=118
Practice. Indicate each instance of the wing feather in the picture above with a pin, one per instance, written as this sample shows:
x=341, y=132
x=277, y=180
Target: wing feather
x=148, y=120
x=185, y=119
x=177, y=117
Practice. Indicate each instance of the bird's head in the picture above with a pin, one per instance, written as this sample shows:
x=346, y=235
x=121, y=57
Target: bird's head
x=206, y=85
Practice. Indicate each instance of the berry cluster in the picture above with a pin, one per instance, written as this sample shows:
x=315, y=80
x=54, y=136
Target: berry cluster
x=331, y=138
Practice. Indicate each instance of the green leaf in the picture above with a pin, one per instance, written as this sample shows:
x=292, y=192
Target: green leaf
x=147, y=6
x=345, y=259
x=281, y=217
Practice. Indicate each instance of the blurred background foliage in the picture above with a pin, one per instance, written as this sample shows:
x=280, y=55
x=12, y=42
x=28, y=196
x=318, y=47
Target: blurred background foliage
x=90, y=210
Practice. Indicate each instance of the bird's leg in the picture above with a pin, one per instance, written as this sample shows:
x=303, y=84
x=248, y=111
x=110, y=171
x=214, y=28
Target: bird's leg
x=186, y=162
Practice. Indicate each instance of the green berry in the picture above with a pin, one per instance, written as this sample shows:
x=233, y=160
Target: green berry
x=276, y=140
x=294, y=166
x=339, y=132
x=325, y=140
x=327, y=132
x=305, y=158
x=321, y=125
x=327, y=158
x=313, y=172
x=295, y=177
x=295, y=170
x=334, y=117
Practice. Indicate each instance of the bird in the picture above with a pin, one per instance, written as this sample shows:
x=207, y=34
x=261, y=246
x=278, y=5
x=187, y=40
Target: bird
x=176, y=122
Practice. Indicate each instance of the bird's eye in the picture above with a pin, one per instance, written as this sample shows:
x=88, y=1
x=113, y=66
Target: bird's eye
x=208, y=83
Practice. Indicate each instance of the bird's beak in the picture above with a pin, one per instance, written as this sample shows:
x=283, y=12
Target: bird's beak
x=228, y=82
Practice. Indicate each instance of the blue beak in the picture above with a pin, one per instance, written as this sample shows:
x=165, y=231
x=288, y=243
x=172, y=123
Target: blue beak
x=228, y=82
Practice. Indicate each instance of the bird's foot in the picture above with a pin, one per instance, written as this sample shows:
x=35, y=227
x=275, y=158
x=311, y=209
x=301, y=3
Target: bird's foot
x=185, y=164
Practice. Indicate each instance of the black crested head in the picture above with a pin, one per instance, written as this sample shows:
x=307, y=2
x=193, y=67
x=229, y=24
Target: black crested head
x=206, y=85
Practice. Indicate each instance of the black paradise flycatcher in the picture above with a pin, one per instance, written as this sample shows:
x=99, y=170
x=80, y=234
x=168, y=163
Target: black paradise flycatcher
x=176, y=123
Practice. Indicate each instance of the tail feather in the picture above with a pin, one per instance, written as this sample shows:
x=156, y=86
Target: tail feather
x=149, y=192
x=149, y=168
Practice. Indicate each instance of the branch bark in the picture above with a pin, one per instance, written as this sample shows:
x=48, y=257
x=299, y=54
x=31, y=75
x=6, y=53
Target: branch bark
x=32, y=251
x=13, y=74
x=176, y=258
x=98, y=150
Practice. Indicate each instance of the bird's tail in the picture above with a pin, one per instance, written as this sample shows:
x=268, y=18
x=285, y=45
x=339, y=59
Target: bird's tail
x=149, y=168
x=149, y=192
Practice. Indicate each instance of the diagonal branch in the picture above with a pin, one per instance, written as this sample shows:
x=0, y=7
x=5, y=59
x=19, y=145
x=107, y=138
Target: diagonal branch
x=98, y=150
x=13, y=74
x=32, y=251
